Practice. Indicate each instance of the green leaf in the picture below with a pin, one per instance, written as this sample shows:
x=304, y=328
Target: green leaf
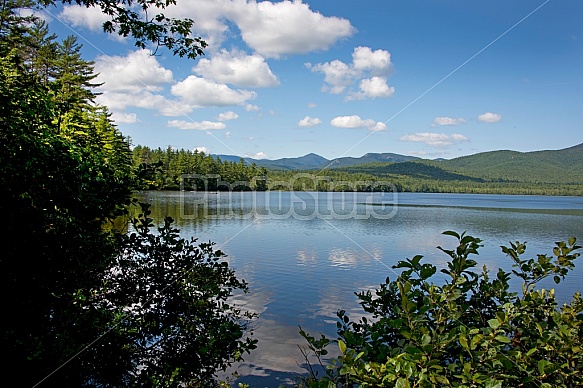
x=451, y=233
x=426, y=339
x=476, y=340
x=402, y=383
x=442, y=380
x=342, y=346
x=542, y=364
x=464, y=342
x=494, y=323
x=502, y=338
x=493, y=384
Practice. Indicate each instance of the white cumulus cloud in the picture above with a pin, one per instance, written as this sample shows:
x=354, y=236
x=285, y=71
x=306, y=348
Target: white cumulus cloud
x=237, y=68
x=459, y=137
x=204, y=150
x=117, y=102
x=309, y=121
x=270, y=28
x=280, y=28
x=375, y=87
x=369, y=70
x=355, y=121
x=135, y=72
x=226, y=116
x=379, y=126
x=135, y=80
x=435, y=139
x=378, y=62
x=258, y=155
x=126, y=118
x=196, y=125
x=88, y=17
x=489, y=117
x=39, y=13
x=337, y=75
x=251, y=108
x=197, y=92
x=210, y=18
x=442, y=120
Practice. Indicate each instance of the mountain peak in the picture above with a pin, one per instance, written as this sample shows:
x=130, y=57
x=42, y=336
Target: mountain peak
x=572, y=156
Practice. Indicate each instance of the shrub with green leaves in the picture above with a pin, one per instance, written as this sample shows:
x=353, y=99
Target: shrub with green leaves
x=173, y=323
x=471, y=331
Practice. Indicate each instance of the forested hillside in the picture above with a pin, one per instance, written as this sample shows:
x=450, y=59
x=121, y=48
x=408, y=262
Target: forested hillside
x=560, y=166
x=498, y=172
x=418, y=170
x=553, y=172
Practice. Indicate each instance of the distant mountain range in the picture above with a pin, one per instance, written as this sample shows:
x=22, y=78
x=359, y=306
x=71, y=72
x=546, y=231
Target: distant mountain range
x=316, y=162
x=561, y=166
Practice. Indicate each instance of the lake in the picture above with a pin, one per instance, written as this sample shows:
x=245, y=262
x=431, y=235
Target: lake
x=304, y=254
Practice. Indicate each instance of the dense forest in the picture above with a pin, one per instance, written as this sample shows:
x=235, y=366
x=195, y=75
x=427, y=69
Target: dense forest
x=171, y=169
x=489, y=173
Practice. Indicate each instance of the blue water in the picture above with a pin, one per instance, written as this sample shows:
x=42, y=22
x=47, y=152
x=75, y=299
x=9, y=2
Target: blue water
x=304, y=254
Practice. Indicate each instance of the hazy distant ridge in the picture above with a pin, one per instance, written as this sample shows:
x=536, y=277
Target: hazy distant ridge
x=565, y=165
x=316, y=162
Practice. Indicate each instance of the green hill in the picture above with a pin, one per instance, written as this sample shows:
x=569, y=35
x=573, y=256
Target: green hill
x=560, y=166
x=551, y=166
x=370, y=158
x=551, y=172
x=414, y=169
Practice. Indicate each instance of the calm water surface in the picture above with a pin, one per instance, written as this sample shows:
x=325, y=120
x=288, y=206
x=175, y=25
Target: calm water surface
x=304, y=254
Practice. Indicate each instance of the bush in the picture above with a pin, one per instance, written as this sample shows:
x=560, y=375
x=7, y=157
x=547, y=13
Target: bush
x=171, y=321
x=471, y=331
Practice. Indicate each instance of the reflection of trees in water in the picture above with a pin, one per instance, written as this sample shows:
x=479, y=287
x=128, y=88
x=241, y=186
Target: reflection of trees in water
x=188, y=209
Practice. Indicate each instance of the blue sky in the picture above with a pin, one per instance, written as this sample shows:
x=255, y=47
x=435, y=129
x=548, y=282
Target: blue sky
x=344, y=78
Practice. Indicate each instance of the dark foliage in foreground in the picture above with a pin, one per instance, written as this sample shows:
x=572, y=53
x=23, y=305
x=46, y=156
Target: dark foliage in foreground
x=84, y=303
